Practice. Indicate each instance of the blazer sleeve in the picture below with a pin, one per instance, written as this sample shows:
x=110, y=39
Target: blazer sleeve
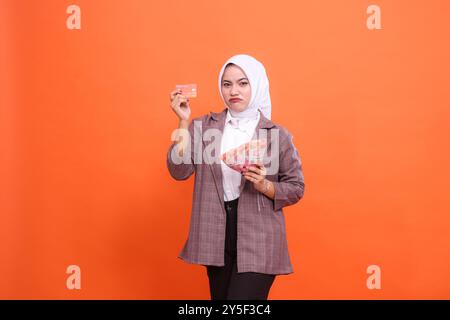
x=183, y=170
x=290, y=186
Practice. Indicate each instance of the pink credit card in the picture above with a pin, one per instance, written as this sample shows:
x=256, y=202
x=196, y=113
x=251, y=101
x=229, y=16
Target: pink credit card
x=188, y=90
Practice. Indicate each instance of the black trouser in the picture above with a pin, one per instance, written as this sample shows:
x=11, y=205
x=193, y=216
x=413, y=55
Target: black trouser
x=224, y=282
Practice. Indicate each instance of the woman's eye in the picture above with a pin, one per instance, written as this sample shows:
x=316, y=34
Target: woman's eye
x=244, y=83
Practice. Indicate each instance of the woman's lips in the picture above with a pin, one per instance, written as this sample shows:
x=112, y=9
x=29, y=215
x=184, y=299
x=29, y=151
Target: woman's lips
x=235, y=100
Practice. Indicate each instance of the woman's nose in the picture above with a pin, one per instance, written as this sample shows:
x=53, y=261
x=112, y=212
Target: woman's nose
x=233, y=91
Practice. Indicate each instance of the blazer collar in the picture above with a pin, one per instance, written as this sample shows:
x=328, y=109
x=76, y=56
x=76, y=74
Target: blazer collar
x=264, y=123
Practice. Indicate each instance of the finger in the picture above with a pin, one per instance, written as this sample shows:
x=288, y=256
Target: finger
x=249, y=178
x=262, y=169
x=255, y=169
x=253, y=180
x=175, y=102
x=259, y=165
x=180, y=99
x=253, y=175
x=174, y=93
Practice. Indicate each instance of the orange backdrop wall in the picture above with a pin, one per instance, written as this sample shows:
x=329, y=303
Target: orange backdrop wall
x=85, y=125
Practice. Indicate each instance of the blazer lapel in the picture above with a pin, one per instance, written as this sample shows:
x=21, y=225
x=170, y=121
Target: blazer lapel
x=216, y=121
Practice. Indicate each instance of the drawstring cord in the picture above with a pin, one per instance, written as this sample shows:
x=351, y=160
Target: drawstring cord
x=258, y=197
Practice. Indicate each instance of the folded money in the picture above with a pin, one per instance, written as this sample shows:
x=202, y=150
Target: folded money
x=245, y=155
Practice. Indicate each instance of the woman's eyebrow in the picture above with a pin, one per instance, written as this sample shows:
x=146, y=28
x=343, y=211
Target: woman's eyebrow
x=237, y=80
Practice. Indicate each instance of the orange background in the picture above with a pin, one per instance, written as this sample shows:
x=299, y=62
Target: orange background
x=85, y=125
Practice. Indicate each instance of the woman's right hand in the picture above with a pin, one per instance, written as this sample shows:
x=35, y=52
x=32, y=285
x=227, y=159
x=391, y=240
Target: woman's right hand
x=180, y=104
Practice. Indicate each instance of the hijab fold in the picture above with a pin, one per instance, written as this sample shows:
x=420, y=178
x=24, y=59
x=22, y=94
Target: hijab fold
x=259, y=83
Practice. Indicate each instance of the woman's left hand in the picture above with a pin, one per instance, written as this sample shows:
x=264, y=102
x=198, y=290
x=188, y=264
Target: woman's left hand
x=257, y=175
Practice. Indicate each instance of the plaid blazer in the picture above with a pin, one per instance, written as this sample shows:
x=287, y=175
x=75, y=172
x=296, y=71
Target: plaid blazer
x=261, y=234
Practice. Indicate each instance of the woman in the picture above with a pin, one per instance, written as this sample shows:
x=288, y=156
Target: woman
x=237, y=227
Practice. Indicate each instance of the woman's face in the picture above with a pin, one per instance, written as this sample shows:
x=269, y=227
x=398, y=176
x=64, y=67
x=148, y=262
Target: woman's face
x=236, y=89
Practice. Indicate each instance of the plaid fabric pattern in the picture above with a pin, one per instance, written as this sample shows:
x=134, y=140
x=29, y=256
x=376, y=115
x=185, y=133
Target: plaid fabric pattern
x=261, y=242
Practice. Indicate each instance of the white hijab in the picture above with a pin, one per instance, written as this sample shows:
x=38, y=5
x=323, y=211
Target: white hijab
x=259, y=83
